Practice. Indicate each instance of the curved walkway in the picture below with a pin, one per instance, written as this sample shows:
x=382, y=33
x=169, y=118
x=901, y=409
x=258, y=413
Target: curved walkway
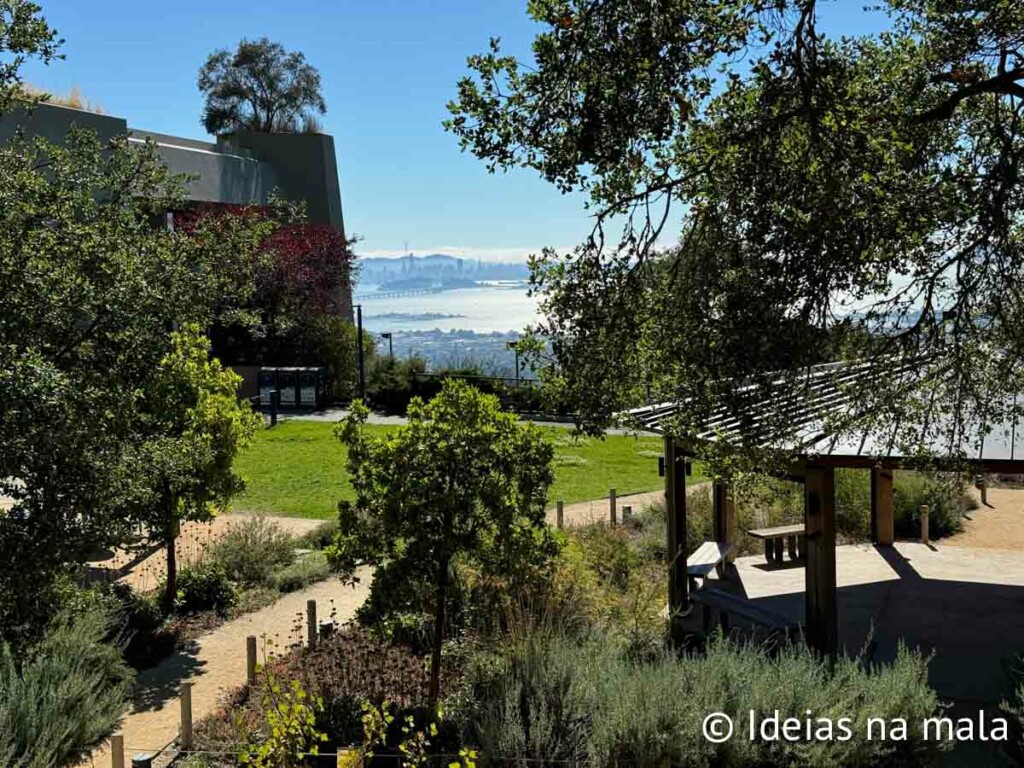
x=215, y=663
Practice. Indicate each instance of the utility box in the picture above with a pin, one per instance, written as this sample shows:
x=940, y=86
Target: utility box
x=298, y=387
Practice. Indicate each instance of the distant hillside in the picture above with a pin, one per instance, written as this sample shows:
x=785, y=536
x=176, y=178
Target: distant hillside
x=437, y=268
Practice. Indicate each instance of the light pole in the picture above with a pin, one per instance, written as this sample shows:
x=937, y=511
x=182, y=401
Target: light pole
x=514, y=346
x=391, y=349
x=362, y=361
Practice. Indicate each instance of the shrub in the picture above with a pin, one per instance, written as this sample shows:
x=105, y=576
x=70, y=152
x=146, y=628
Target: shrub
x=205, y=588
x=64, y=697
x=251, y=550
x=320, y=537
x=551, y=698
x=307, y=570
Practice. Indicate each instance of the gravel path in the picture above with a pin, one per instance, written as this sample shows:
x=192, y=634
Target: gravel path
x=215, y=663
x=1000, y=525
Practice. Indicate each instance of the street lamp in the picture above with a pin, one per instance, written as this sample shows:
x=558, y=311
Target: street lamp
x=391, y=349
x=514, y=346
x=362, y=360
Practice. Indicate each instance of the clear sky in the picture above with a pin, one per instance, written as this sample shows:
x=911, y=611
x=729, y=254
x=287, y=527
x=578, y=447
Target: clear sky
x=388, y=69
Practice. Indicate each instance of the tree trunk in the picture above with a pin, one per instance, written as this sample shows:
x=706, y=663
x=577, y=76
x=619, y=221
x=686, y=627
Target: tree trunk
x=171, y=590
x=439, y=620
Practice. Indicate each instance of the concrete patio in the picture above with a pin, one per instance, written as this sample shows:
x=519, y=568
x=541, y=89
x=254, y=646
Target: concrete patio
x=965, y=605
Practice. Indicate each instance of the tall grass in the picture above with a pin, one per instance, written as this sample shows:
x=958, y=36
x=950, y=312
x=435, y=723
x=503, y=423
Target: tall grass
x=551, y=698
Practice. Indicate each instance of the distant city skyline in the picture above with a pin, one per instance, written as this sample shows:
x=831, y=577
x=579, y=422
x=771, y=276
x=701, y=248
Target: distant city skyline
x=388, y=69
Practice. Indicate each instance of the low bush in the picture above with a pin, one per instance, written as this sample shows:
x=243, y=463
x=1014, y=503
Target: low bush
x=307, y=570
x=554, y=699
x=320, y=537
x=64, y=696
x=205, y=588
x=250, y=551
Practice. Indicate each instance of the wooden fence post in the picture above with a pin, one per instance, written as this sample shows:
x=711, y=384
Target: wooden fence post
x=924, y=523
x=560, y=513
x=117, y=751
x=611, y=506
x=311, y=623
x=185, y=737
x=250, y=659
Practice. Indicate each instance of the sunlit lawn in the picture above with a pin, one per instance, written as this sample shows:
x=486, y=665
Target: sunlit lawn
x=298, y=468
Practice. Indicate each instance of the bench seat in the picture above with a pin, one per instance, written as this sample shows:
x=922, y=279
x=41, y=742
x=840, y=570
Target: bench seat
x=730, y=605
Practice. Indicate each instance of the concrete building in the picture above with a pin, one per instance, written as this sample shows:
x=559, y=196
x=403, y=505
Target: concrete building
x=244, y=168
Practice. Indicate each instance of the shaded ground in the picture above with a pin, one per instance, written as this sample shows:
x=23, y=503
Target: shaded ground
x=215, y=663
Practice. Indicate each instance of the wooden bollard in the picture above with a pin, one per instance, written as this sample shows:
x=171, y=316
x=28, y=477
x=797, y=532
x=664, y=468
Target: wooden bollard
x=560, y=513
x=185, y=735
x=117, y=751
x=613, y=514
x=983, y=487
x=924, y=523
x=250, y=659
x=311, y=623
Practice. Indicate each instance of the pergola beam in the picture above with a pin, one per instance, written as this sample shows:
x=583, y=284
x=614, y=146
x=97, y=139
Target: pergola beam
x=822, y=618
x=675, y=508
x=883, y=503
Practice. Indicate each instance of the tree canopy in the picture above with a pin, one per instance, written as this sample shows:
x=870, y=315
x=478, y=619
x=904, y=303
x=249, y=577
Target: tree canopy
x=93, y=287
x=23, y=33
x=834, y=197
x=259, y=87
x=462, y=479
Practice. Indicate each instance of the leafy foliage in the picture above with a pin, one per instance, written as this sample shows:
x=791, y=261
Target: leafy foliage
x=194, y=427
x=204, y=587
x=24, y=33
x=63, y=697
x=551, y=698
x=291, y=732
x=461, y=480
x=259, y=87
x=838, y=198
x=92, y=289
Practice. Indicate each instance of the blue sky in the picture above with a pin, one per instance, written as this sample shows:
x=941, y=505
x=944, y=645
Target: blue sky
x=388, y=68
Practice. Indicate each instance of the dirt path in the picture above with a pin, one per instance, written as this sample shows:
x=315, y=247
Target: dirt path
x=598, y=510
x=216, y=663
x=1000, y=525
x=146, y=574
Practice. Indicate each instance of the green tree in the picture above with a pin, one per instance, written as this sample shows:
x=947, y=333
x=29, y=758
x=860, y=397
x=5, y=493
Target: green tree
x=850, y=197
x=259, y=87
x=23, y=33
x=195, y=426
x=462, y=480
x=91, y=291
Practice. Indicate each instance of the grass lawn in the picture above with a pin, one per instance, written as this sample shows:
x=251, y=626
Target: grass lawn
x=297, y=468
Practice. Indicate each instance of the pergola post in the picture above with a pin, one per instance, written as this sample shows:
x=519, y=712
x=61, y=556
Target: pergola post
x=820, y=572
x=675, y=509
x=724, y=512
x=882, y=506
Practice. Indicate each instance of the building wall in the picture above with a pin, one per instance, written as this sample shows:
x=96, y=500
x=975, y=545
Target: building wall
x=243, y=168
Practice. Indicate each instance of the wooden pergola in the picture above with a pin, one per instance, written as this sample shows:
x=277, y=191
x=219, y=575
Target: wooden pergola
x=816, y=455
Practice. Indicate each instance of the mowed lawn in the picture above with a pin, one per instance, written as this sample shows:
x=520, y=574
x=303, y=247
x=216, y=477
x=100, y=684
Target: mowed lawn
x=297, y=468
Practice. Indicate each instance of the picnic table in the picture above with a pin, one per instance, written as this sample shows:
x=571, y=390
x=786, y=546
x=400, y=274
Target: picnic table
x=794, y=536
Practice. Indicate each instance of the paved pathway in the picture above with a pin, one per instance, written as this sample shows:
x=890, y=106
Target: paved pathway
x=215, y=663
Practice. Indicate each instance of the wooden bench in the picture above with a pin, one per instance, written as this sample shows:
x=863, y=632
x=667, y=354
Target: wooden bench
x=729, y=605
x=794, y=536
x=708, y=556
